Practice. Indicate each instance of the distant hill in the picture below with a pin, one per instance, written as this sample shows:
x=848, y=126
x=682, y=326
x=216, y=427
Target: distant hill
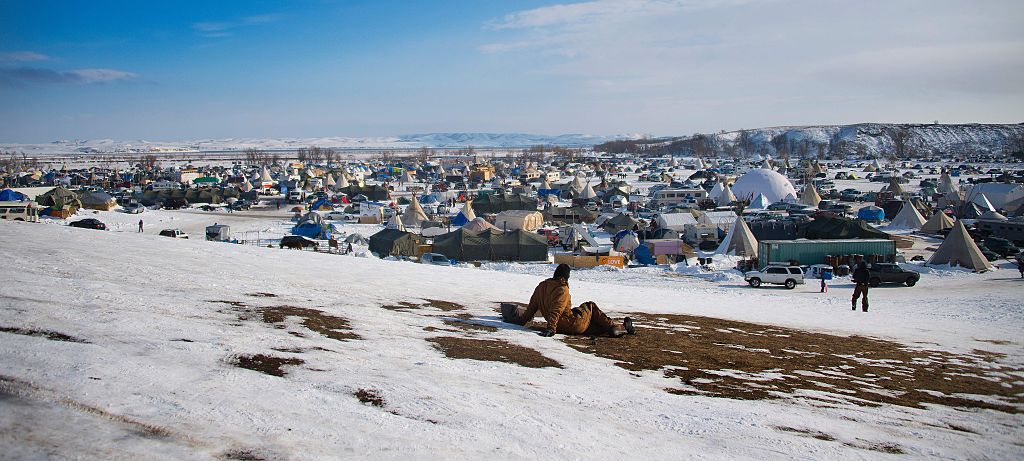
x=876, y=139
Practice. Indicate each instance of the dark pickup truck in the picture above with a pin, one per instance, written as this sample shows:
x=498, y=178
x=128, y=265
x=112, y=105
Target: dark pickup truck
x=891, y=273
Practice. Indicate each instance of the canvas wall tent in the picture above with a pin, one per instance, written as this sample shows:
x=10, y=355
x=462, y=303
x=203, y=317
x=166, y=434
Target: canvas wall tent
x=393, y=242
x=98, y=201
x=675, y=221
x=519, y=245
x=938, y=222
x=519, y=219
x=724, y=220
x=375, y=192
x=497, y=203
x=465, y=245
x=959, y=249
x=834, y=227
x=570, y=215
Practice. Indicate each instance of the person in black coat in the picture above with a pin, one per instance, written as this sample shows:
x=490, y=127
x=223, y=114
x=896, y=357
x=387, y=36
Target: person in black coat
x=860, y=279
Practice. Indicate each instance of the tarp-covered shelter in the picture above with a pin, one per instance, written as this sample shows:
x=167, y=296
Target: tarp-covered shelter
x=519, y=219
x=959, y=249
x=393, y=242
x=375, y=192
x=8, y=195
x=618, y=223
x=58, y=198
x=98, y=201
x=834, y=227
x=571, y=215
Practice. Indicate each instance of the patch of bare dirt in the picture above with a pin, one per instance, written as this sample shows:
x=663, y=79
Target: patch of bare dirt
x=403, y=306
x=51, y=335
x=740, y=360
x=999, y=342
x=370, y=397
x=466, y=325
x=330, y=326
x=260, y=294
x=241, y=455
x=491, y=350
x=446, y=306
x=265, y=363
x=808, y=432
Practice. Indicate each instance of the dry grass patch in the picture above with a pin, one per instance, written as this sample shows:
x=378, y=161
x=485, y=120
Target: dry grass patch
x=260, y=294
x=491, y=350
x=446, y=306
x=265, y=363
x=370, y=397
x=403, y=306
x=330, y=326
x=740, y=360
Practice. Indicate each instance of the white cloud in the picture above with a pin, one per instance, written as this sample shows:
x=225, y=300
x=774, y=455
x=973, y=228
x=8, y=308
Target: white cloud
x=597, y=10
x=216, y=29
x=23, y=56
x=88, y=76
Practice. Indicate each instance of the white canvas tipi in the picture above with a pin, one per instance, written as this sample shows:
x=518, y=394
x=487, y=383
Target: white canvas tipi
x=907, y=218
x=959, y=249
x=810, y=196
x=938, y=222
x=739, y=241
x=413, y=215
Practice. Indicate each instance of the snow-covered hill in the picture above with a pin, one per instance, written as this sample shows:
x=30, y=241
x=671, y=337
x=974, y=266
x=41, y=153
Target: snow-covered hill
x=121, y=345
x=863, y=139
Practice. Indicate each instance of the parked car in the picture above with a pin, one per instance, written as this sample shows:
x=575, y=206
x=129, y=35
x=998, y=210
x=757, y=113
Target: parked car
x=880, y=273
x=436, y=259
x=240, y=204
x=1001, y=246
x=89, y=223
x=174, y=233
x=134, y=208
x=790, y=276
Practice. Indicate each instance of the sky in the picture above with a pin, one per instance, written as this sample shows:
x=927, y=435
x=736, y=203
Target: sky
x=181, y=70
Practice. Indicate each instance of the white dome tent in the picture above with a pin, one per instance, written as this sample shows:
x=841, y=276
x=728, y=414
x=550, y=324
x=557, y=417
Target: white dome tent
x=772, y=185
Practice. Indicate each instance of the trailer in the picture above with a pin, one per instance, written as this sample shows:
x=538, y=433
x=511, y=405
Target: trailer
x=834, y=252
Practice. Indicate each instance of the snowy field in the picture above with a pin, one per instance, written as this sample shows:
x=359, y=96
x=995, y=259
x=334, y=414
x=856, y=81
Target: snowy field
x=120, y=345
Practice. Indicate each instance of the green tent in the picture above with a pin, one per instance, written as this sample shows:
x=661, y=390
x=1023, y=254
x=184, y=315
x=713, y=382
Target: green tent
x=393, y=242
x=519, y=245
x=464, y=245
x=834, y=227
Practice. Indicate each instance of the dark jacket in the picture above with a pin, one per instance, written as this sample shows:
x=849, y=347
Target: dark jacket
x=861, y=274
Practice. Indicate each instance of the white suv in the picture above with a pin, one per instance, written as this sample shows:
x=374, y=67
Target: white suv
x=790, y=276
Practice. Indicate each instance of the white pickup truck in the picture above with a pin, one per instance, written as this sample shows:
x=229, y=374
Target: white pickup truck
x=790, y=276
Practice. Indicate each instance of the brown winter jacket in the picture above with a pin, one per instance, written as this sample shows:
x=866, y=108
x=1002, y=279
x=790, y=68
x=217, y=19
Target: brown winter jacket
x=551, y=297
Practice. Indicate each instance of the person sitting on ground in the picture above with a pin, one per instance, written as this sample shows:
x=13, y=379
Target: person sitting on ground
x=552, y=299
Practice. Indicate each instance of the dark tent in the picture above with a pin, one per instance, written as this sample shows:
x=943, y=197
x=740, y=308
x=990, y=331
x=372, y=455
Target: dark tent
x=59, y=197
x=375, y=192
x=833, y=227
x=464, y=245
x=619, y=222
x=484, y=204
x=393, y=242
x=519, y=245
x=574, y=215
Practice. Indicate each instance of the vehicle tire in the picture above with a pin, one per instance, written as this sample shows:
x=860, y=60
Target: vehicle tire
x=790, y=284
x=911, y=282
x=875, y=281
x=755, y=282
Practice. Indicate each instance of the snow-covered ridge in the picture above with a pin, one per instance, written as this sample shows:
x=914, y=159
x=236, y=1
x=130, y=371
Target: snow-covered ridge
x=868, y=139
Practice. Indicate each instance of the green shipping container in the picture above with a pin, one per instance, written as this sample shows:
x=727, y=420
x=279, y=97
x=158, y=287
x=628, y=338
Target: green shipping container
x=807, y=252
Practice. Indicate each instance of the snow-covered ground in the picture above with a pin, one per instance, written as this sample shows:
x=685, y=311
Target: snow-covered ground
x=162, y=326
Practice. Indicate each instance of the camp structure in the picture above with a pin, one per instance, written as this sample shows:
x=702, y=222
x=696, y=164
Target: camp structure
x=570, y=214
x=959, y=249
x=312, y=225
x=810, y=196
x=60, y=199
x=393, y=242
x=218, y=233
x=413, y=216
x=395, y=222
x=618, y=223
x=739, y=241
x=834, y=227
x=759, y=203
x=375, y=192
x=907, y=218
x=98, y=201
x=675, y=221
x=725, y=197
x=937, y=223
x=491, y=245
x=490, y=203
x=519, y=219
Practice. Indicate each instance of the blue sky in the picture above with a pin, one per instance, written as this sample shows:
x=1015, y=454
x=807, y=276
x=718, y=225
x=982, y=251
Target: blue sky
x=186, y=70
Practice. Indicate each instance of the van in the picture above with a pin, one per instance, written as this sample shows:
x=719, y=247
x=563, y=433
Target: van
x=19, y=211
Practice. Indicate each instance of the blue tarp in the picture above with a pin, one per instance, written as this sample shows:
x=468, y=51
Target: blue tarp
x=643, y=255
x=871, y=214
x=460, y=220
x=8, y=195
x=311, y=230
x=428, y=199
x=547, y=192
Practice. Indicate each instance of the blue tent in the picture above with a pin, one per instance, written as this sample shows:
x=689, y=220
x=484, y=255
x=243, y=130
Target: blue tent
x=871, y=213
x=428, y=200
x=460, y=220
x=8, y=195
x=547, y=192
x=643, y=255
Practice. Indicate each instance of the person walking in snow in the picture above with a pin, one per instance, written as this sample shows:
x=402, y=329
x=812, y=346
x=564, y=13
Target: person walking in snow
x=552, y=299
x=860, y=279
x=140, y=226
